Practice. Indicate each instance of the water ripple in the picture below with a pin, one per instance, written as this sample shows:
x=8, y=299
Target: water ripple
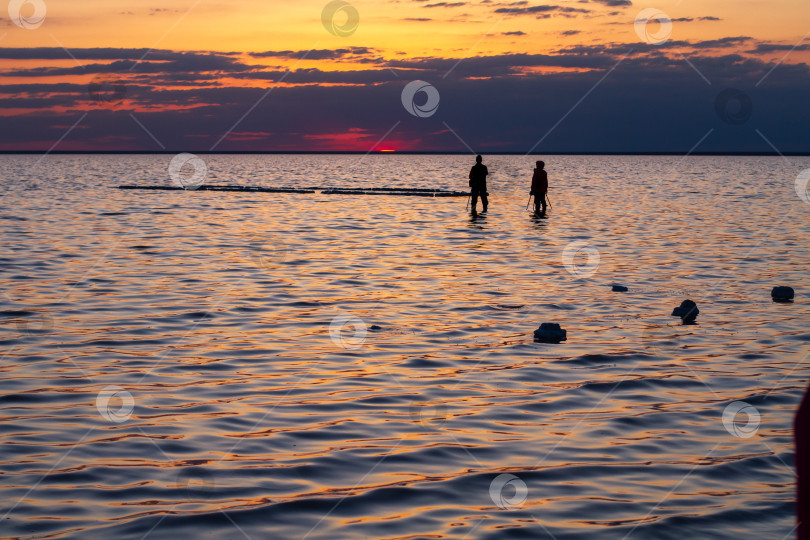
x=317, y=366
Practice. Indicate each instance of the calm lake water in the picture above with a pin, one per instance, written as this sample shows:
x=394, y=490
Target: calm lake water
x=235, y=365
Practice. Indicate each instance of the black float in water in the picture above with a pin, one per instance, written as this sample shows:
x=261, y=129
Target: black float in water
x=782, y=294
x=688, y=311
x=243, y=189
x=619, y=288
x=402, y=192
x=550, y=333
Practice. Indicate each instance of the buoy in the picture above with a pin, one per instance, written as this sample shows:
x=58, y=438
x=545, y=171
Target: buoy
x=550, y=333
x=782, y=294
x=619, y=288
x=688, y=311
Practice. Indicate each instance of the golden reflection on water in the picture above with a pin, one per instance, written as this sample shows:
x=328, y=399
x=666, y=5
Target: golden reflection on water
x=216, y=315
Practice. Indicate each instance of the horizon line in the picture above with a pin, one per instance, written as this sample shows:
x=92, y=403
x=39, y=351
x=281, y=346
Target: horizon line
x=408, y=152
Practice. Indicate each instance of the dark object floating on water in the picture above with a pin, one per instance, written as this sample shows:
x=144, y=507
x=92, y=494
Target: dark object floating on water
x=782, y=294
x=375, y=327
x=550, y=333
x=406, y=192
x=414, y=190
x=620, y=288
x=506, y=307
x=688, y=311
x=398, y=192
x=224, y=188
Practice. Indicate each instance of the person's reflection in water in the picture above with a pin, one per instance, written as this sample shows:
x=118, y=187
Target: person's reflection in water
x=477, y=220
x=540, y=221
x=478, y=183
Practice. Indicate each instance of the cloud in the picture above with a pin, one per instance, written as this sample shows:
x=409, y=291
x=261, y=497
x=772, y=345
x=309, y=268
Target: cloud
x=540, y=10
x=690, y=19
x=765, y=48
x=159, y=11
x=445, y=4
x=720, y=43
x=317, y=76
x=316, y=54
x=182, y=63
x=651, y=101
x=614, y=3
x=96, y=53
x=731, y=43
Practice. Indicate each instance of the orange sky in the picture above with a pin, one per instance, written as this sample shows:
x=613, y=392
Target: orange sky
x=453, y=31
x=506, y=42
x=389, y=27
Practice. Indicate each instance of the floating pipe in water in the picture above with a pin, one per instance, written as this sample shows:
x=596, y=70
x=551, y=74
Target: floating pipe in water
x=403, y=192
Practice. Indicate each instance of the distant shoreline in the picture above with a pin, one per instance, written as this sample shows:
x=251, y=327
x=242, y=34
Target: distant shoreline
x=409, y=153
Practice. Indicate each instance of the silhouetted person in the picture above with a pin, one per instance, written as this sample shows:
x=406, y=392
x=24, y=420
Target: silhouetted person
x=478, y=183
x=801, y=435
x=540, y=187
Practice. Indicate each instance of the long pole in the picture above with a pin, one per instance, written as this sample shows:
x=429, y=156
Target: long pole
x=549, y=201
x=468, y=202
x=530, y=200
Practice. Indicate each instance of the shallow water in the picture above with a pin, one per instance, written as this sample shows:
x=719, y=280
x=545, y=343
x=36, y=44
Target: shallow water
x=205, y=364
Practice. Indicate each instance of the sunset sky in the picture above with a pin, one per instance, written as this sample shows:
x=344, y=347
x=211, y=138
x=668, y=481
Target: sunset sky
x=572, y=76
